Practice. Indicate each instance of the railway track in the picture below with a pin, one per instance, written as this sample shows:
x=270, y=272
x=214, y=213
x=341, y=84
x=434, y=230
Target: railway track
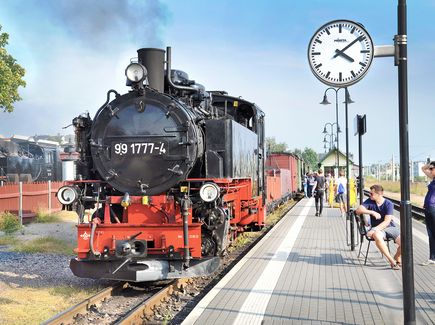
x=417, y=212
x=143, y=304
x=139, y=307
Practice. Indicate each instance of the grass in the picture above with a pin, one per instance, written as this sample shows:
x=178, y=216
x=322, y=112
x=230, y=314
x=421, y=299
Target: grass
x=45, y=244
x=417, y=188
x=43, y=216
x=69, y=291
x=9, y=223
x=8, y=241
x=25, y=305
x=276, y=215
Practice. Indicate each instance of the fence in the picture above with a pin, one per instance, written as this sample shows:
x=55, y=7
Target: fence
x=25, y=199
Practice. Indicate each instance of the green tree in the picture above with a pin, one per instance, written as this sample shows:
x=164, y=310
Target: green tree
x=310, y=157
x=11, y=76
x=297, y=152
x=273, y=146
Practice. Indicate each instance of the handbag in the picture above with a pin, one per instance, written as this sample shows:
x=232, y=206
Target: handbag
x=337, y=198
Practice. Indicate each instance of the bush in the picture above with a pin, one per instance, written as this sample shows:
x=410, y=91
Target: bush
x=9, y=223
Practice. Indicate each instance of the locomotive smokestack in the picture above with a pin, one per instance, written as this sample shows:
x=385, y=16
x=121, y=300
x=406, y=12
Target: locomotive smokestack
x=154, y=61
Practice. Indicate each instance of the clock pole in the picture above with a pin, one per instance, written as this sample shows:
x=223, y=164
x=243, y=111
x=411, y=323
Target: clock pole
x=401, y=60
x=348, y=215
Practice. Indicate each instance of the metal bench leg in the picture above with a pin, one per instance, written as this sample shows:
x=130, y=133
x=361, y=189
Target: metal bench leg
x=367, y=254
x=360, y=245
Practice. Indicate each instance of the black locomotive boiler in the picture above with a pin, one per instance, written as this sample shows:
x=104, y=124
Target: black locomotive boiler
x=173, y=171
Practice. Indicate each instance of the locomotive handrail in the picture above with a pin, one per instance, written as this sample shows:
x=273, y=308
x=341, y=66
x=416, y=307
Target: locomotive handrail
x=168, y=73
x=107, y=101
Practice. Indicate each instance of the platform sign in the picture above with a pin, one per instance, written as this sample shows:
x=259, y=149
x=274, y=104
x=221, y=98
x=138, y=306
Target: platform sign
x=360, y=125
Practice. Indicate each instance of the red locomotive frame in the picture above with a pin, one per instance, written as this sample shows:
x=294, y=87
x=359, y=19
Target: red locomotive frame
x=159, y=221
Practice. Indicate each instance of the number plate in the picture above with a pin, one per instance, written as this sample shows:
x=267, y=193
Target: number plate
x=122, y=149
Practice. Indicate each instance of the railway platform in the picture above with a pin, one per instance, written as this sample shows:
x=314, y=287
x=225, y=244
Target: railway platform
x=303, y=272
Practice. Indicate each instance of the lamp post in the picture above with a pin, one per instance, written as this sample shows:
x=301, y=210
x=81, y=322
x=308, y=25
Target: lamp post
x=331, y=135
x=326, y=102
x=347, y=100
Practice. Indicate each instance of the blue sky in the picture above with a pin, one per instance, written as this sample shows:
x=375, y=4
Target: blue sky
x=74, y=51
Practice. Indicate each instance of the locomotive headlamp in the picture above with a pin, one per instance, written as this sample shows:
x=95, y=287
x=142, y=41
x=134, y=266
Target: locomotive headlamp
x=209, y=192
x=136, y=72
x=67, y=195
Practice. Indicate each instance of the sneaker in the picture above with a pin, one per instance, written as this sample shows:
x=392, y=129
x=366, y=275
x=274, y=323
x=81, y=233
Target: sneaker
x=316, y=214
x=428, y=262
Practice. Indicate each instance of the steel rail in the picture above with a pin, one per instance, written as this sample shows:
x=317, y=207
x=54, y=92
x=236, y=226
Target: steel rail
x=67, y=316
x=146, y=308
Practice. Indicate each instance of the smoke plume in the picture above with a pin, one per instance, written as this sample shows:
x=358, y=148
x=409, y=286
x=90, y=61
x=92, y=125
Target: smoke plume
x=100, y=24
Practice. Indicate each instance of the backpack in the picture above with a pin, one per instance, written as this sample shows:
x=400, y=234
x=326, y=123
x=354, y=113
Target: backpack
x=340, y=189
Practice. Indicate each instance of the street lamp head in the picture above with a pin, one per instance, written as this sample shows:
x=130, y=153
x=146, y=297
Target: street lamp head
x=338, y=129
x=325, y=100
x=347, y=98
x=324, y=130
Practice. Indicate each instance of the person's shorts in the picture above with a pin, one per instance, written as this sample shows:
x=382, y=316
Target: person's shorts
x=340, y=198
x=391, y=232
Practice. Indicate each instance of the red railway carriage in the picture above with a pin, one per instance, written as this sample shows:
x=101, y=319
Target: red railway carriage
x=285, y=161
x=173, y=171
x=278, y=187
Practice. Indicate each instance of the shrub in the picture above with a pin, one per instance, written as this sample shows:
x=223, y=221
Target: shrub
x=9, y=223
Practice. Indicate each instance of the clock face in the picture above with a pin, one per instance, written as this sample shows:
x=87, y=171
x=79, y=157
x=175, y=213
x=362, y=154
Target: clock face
x=340, y=53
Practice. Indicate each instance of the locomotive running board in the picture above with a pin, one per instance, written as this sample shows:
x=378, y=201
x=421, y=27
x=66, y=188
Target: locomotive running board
x=144, y=270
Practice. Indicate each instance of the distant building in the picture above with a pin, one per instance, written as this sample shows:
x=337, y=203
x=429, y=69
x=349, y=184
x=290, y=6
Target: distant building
x=329, y=162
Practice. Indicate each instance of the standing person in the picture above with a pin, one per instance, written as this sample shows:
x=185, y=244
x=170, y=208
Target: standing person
x=305, y=184
x=382, y=225
x=429, y=211
x=341, y=192
x=319, y=186
x=310, y=187
x=327, y=184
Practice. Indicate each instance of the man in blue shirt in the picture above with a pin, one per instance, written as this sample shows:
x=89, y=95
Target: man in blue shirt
x=382, y=223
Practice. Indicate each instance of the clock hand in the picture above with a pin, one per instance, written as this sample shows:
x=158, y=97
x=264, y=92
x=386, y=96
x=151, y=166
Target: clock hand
x=344, y=55
x=349, y=45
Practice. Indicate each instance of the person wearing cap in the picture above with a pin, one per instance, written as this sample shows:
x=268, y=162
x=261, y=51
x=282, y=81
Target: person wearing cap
x=429, y=211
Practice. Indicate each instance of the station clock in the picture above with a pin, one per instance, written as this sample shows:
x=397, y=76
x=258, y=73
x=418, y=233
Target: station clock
x=340, y=53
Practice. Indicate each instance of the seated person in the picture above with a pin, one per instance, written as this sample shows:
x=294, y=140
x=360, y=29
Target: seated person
x=382, y=224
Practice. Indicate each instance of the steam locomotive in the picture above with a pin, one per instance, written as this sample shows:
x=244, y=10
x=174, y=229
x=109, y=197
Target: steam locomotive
x=26, y=160
x=173, y=171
